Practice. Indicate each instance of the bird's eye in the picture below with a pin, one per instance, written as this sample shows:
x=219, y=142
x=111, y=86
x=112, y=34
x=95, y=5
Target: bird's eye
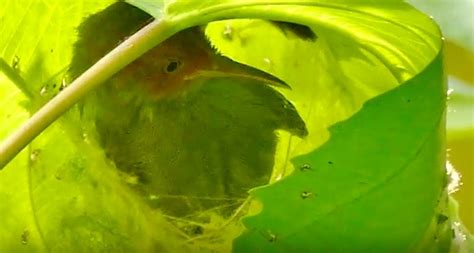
x=172, y=66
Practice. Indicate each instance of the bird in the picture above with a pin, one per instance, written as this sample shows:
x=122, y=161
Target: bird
x=189, y=130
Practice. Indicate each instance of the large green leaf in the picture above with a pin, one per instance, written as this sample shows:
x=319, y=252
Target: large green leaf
x=379, y=172
x=374, y=185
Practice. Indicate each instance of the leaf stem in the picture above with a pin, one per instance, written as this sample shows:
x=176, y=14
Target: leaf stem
x=15, y=78
x=125, y=53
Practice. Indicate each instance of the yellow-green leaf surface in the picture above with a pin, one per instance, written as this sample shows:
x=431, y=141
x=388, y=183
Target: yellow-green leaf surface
x=373, y=182
x=375, y=197
x=60, y=194
x=37, y=39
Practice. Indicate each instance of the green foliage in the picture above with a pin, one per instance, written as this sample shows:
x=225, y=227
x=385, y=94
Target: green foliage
x=374, y=198
x=37, y=39
x=373, y=183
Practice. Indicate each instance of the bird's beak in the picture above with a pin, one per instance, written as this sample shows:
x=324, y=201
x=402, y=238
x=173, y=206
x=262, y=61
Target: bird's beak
x=225, y=67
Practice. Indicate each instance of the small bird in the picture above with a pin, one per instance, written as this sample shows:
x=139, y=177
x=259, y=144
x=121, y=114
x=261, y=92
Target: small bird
x=190, y=129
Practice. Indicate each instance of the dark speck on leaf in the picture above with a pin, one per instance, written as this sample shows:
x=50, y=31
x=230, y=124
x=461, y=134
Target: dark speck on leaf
x=227, y=33
x=442, y=218
x=24, y=237
x=305, y=167
x=16, y=62
x=271, y=237
x=306, y=194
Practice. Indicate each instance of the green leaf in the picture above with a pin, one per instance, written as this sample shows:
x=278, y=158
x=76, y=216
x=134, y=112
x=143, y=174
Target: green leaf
x=374, y=185
x=14, y=191
x=385, y=183
x=60, y=193
x=37, y=39
x=64, y=195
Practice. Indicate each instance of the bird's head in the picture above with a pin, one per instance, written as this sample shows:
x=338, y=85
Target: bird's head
x=174, y=65
x=167, y=69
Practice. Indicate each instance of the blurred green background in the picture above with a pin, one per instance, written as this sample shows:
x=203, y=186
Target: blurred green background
x=456, y=20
